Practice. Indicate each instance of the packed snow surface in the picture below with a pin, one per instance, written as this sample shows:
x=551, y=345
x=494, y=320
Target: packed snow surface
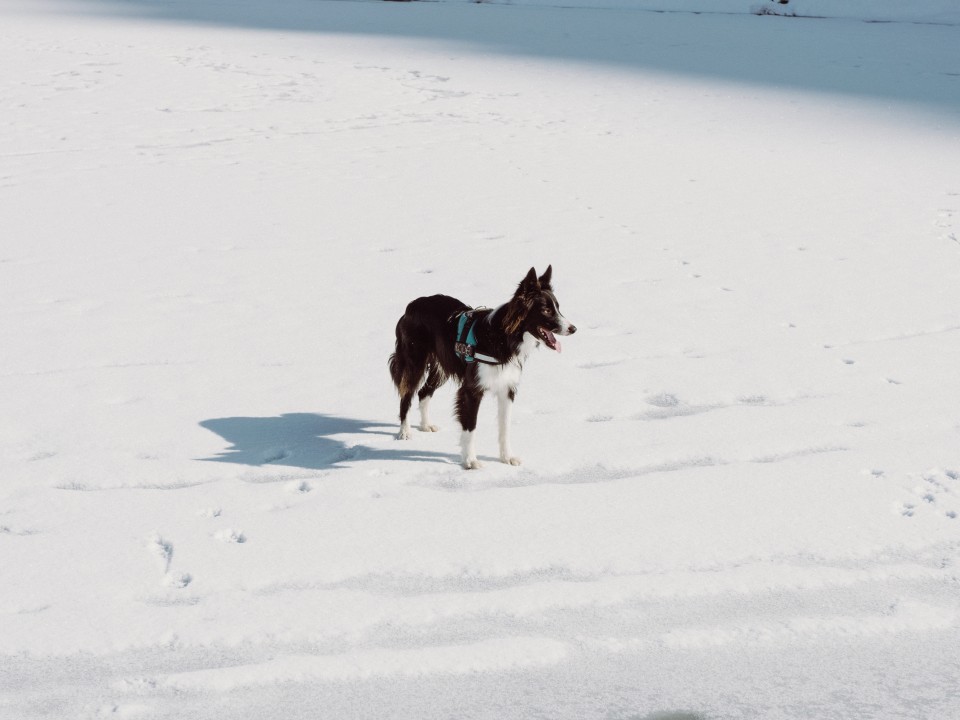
x=741, y=479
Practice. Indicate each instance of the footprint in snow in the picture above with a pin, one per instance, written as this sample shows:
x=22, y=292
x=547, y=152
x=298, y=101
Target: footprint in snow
x=163, y=549
x=662, y=400
x=230, y=536
x=7, y=530
x=940, y=490
x=177, y=580
x=937, y=493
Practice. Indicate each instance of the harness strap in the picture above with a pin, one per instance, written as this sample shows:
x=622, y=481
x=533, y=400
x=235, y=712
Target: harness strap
x=466, y=345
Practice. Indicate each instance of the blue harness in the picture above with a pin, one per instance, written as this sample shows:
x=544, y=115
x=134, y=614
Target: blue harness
x=466, y=344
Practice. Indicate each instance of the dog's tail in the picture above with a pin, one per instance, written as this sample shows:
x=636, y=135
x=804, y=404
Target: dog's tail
x=396, y=362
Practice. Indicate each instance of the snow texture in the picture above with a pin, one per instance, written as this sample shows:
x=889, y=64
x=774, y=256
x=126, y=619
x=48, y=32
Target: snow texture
x=741, y=479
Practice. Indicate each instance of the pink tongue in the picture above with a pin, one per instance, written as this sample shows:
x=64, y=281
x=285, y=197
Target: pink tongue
x=551, y=340
x=554, y=341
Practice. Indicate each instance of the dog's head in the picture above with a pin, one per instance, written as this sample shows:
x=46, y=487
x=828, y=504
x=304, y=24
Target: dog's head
x=535, y=309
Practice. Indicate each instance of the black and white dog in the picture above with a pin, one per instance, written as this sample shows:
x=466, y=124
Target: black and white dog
x=439, y=337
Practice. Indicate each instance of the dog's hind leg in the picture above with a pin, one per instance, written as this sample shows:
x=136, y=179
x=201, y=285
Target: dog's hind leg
x=412, y=377
x=468, y=404
x=504, y=407
x=435, y=379
x=405, y=402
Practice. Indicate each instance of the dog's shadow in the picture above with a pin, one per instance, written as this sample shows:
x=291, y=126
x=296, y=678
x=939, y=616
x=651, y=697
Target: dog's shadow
x=308, y=440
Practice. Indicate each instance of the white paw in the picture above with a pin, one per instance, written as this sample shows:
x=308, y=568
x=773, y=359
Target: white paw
x=510, y=460
x=404, y=434
x=429, y=428
x=472, y=464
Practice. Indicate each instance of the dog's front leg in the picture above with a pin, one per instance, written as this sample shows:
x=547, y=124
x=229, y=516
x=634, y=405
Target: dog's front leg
x=468, y=404
x=504, y=408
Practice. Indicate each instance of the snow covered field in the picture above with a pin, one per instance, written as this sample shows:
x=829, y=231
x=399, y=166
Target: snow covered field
x=741, y=478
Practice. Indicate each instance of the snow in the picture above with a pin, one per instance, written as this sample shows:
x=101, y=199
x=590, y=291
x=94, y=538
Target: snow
x=740, y=479
x=921, y=11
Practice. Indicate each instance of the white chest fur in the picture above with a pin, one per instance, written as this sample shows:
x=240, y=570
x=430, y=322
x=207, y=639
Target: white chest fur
x=501, y=378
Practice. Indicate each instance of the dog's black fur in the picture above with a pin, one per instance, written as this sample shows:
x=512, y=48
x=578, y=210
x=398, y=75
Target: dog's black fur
x=426, y=334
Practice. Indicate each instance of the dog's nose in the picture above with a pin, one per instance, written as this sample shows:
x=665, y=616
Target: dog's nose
x=571, y=330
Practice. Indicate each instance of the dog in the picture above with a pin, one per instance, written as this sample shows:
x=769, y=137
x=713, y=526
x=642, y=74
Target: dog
x=439, y=337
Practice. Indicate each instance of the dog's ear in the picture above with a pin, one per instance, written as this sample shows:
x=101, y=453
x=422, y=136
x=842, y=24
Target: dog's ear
x=521, y=304
x=545, y=278
x=529, y=284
